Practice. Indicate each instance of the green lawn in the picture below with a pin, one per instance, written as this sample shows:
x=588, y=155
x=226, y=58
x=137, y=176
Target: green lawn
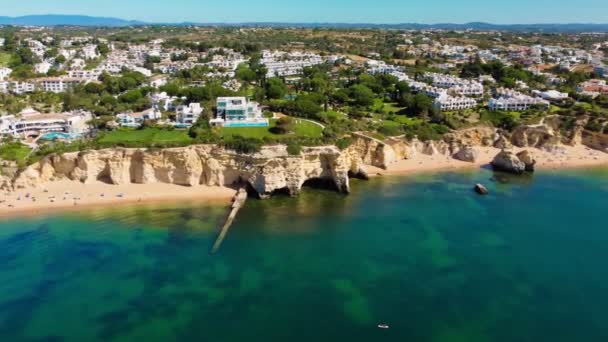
x=151, y=136
x=5, y=58
x=145, y=137
x=14, y=152
x=301, y=129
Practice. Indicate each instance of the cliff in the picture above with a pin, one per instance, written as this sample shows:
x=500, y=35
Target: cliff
x=270, y=170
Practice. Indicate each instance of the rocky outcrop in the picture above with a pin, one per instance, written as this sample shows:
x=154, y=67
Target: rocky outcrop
x=481, y=189
x=508, y=161
x=467, y=154
x=270, y=170
x=503, y=143
x=596, y=141
x=476, y=136
x=527, y=158
x=537, y=136
x=373, y=151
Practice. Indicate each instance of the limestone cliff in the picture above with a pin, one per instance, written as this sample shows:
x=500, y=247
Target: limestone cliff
x=270, y=170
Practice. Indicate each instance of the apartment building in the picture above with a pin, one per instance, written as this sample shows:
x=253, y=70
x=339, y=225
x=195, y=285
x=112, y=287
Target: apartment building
x=32, y=123
x=450, y=103
x=238, y=112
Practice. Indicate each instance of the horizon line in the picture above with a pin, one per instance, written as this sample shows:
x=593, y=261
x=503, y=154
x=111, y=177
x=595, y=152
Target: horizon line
x=142, y=21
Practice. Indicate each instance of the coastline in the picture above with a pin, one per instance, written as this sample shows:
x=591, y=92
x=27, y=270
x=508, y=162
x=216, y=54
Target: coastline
x=70, y=196
x=570, y=157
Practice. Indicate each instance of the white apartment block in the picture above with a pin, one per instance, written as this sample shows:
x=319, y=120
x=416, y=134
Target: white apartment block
x=58, y=84
x=449, y=103
x=456, y=85
x=91, y=75
x=280, y=63
x=428, y=90
x=30, y=122
x=517, y=103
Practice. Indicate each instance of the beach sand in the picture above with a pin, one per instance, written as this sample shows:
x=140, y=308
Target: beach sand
x=75, y=196
x=568, y=157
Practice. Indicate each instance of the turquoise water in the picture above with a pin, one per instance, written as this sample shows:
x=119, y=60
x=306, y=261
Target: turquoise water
x=60, y=135
x=246, y=124
x=422, y=254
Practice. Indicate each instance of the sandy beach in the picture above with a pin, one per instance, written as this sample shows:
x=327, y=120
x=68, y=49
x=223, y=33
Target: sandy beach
x=568, y=157
x=74, y=196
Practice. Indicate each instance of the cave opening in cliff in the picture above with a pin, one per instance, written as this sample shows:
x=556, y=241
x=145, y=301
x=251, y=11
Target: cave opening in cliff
x=321, y=184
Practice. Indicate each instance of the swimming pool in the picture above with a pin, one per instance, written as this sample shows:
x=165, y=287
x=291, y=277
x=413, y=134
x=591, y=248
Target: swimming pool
x=246, y=124
x=60, y=136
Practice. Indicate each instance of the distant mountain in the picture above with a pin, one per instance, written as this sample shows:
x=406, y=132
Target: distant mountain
x=81, y=20
x=66, y=20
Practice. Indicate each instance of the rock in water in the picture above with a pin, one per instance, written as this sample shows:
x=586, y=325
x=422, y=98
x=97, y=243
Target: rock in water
x=508, y=161
x=467, y=154
x=480, y=189
x=528, y=159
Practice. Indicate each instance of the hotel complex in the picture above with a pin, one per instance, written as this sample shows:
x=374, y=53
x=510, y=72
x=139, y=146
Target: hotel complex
x=32, y=123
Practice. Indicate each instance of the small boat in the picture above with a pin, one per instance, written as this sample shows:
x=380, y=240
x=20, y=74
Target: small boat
x=383, y=326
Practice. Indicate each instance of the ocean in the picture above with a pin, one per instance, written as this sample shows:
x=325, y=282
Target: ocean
x=422, y=254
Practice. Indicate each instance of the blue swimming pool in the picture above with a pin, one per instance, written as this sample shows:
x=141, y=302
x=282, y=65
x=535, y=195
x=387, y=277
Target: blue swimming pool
x=60, y=136
x=246, y=124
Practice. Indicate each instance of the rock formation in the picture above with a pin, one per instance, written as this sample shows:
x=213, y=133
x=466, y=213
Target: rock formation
x=467, y=154
x=527, y=158
x=508, y=161
x=268, y=171
x=480, y=189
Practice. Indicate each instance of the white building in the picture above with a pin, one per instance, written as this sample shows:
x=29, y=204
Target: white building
x=89, y=51
x=32, y=123
x=158, y=81
x=134, y=120
x=456, y=85
x=91, y=75
x=5, y=73
x=58, y=84
x=280, y=63
x=449, y=103
x=516, y=103
x=43, y=67
x=551, y=95
x=238, y=112
x=188, y=115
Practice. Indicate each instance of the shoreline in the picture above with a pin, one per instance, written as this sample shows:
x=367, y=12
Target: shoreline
x=571, y=157
x=69, y=196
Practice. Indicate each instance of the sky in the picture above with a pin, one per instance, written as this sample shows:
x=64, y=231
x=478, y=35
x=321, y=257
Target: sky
x=335, y=11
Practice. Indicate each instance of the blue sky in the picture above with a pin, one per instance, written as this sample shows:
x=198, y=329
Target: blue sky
x=368, y=11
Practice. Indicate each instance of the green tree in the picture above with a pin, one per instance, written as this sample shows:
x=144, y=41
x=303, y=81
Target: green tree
x=362, y=95
x=275, y=88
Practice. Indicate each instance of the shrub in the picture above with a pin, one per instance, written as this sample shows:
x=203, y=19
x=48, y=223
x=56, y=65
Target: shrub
x=294, y=149
x=344, y=143
x=243, y=145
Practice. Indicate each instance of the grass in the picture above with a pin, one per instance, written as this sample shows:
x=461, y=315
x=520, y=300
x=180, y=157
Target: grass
x=301, y=129
x=160, y=137
x=16, y=152
x=5, y=58
x=144, y=137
